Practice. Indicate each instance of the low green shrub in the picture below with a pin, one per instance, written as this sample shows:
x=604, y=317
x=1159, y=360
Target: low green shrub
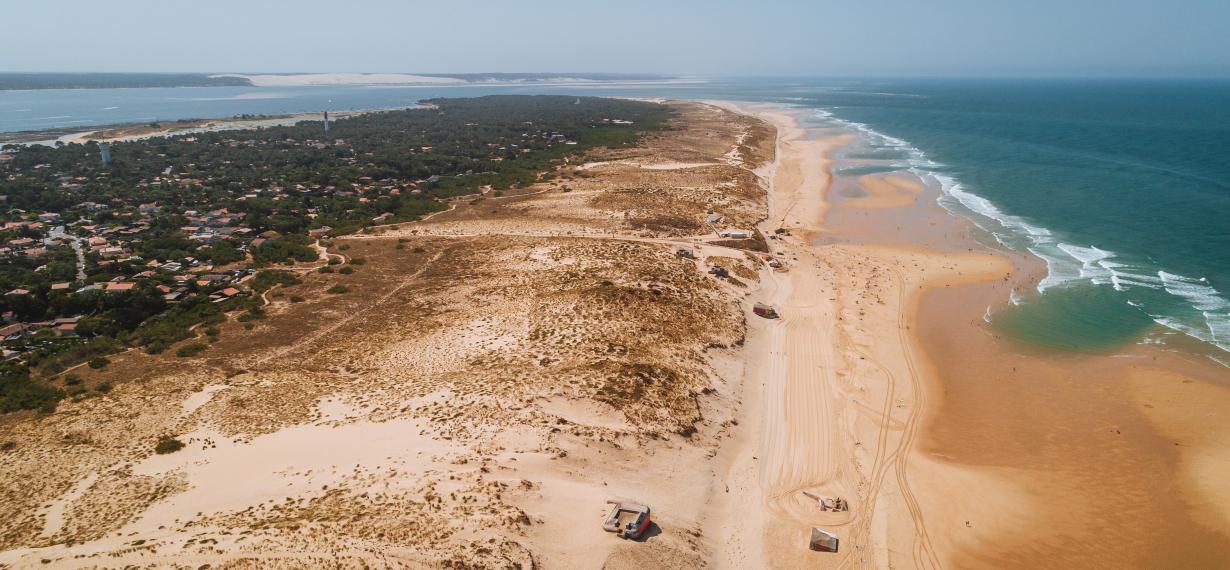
x=167, y=444
x=190, y=350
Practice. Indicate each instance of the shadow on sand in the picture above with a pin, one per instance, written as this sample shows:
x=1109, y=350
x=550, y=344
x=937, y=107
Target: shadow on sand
x=652, y=531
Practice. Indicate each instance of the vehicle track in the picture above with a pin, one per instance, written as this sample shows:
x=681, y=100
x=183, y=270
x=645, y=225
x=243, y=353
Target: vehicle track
x=322, y=332
x=924, y=551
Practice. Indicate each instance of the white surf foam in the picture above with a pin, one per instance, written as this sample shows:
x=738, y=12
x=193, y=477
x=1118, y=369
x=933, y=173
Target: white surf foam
x=1204, y=298
x=1196, y=291
x=1189, y=330
x=1125, y=276
x=1090, y=258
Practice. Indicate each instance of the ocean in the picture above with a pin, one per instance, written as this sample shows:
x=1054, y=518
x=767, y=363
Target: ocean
x=1121, y=186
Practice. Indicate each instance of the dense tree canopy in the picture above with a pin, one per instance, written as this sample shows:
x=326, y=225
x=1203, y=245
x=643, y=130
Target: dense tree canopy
x=230, y=198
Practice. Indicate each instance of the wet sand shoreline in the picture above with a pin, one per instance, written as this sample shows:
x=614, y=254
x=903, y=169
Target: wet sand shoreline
x=1027, y=456
x=1080, y=421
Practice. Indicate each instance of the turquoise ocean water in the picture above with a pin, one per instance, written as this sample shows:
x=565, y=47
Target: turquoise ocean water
x=1122, y=187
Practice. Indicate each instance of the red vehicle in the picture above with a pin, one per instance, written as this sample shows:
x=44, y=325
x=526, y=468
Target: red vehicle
x=628, y=520
x=765, y=311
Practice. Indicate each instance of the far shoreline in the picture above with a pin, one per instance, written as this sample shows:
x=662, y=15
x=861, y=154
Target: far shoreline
x=137, y=131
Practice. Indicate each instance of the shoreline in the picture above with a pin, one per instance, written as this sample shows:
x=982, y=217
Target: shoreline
x=50, y=134
x=1121, y=439
x=962, y=499
x=842, y=395
x=1061, y=260
x=127, y=132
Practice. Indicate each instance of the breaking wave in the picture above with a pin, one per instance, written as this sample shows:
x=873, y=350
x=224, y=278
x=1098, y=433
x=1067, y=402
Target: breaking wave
x=1204, y=312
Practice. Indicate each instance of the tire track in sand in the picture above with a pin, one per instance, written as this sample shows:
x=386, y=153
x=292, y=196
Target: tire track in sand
x=923, y=549
x=324, y=331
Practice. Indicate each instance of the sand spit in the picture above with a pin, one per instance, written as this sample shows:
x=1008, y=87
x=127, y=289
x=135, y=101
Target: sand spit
x=309, y=79
x=127, y=133
x=492, y=376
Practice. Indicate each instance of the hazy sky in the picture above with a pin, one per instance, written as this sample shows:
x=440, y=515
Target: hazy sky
x=715, y=37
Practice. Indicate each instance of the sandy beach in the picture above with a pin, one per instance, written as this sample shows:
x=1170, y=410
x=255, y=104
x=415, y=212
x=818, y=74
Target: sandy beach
x=953, y=446
x=843, y=385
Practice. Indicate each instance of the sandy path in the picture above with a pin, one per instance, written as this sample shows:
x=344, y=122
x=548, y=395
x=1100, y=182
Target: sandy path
x=311, y=339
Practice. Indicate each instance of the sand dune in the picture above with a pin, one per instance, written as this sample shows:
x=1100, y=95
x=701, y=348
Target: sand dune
x=492, y=377
x=307, y=79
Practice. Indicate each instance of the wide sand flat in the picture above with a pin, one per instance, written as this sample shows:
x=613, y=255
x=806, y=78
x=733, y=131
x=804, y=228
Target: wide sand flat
x=843, y=386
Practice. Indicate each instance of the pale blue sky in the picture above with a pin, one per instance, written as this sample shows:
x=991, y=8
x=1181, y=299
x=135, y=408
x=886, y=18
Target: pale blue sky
x=716, y=37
